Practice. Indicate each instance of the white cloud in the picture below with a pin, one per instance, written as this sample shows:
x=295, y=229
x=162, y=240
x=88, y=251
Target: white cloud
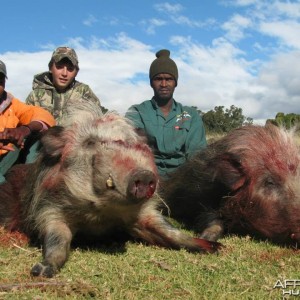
x=173, y=14
x=90, y=20
x=208, y=76
x=286, y=31
x=152, y=24
x=168, y=8
x=243, y=2
x=281, y=78
x=289, y=9
x=276, y=19
x=21, y=67
x=183, y=20
x=236, y=26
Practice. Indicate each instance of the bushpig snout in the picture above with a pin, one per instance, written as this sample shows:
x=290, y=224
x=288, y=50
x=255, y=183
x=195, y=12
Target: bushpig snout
x=141, y=185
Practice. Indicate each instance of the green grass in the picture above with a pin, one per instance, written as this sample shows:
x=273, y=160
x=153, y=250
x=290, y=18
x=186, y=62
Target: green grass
x=243, y=269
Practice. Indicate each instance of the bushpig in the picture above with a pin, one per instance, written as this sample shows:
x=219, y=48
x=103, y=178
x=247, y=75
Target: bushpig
x=94, y=175
x=247, y=182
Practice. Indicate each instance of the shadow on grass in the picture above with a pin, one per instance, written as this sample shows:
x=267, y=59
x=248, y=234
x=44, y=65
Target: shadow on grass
x=114, y=243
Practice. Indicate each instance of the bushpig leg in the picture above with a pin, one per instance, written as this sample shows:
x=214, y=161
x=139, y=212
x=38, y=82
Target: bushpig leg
x=56, y=247
x=153, y=228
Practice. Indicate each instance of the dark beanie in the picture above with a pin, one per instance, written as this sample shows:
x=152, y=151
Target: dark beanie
x=163, y=64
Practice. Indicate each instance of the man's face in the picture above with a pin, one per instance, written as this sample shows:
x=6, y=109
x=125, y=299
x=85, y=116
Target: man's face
x=2, y=84
x=163, y=86
x=63, y=73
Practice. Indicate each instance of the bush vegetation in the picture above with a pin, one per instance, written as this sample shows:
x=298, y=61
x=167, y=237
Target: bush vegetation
x=288, y=120
x=221, y=120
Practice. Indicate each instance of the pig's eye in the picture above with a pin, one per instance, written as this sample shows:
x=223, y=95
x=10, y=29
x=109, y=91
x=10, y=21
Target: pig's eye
x=89, y=143
x=269, y=182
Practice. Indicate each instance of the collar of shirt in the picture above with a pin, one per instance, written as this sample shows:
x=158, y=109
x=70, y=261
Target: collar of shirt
x=171, y=114
x=5, y=101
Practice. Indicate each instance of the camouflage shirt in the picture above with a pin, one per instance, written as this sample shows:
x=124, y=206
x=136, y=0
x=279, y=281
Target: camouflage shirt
x=45, y=95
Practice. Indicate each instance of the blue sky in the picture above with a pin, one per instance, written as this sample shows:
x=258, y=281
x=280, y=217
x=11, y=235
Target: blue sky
x=241, y=52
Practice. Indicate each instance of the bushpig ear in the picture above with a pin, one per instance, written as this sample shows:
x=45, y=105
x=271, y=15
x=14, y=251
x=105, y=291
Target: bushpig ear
x=230, y=171
x=53, y=141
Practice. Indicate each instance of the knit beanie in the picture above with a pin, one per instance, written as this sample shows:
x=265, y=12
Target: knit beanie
x=163, y=64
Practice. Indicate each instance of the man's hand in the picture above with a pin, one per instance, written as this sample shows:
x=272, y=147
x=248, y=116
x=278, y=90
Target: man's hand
x=4, y=146
x=13, y=135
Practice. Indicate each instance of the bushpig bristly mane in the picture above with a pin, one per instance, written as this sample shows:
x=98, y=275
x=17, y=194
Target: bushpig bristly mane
x=81, y=115
x=248, y=181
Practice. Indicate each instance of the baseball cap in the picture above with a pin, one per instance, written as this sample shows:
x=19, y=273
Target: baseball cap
x=65, y=52
x=3, y=68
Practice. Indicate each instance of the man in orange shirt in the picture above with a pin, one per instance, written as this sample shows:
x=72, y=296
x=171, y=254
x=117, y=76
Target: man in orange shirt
x=17, y=122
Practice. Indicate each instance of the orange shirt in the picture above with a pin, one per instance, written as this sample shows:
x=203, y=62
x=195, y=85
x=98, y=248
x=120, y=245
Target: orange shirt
x=18, y=113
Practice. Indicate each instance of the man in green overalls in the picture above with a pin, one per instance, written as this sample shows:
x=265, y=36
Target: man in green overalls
x=175, y=132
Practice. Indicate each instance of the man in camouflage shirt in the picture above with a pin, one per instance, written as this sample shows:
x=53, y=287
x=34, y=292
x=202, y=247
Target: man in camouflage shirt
x=57, y=88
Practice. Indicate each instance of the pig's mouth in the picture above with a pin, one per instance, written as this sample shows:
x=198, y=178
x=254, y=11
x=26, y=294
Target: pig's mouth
x=142, y=185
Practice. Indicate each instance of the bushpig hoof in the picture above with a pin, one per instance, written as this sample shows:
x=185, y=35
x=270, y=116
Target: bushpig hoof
x=40, y=269
x=208, y=246
x=213, y=232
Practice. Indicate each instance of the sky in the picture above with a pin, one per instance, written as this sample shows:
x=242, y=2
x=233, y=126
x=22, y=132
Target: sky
x=244, y=53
